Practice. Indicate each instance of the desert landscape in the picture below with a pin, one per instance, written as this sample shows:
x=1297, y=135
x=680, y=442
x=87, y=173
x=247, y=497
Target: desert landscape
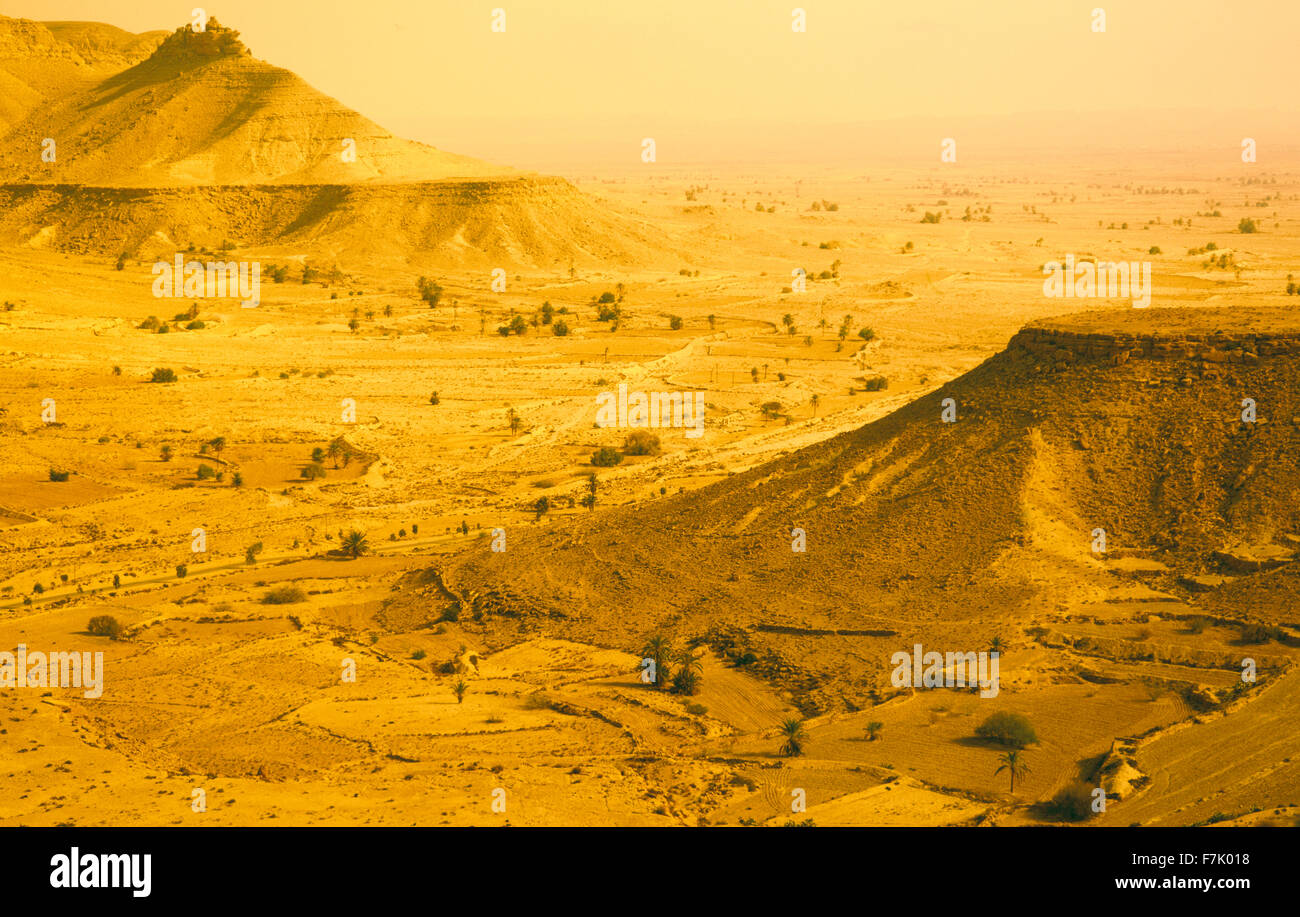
x=358, y=546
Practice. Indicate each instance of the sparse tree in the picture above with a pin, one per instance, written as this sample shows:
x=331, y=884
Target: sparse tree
x=1013, y=764
x=796, y=737
x=355, y=544
x=660, y=649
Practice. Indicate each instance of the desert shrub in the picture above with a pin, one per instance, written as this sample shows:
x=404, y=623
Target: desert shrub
x=867, y=334
x=538, y=700
x=1013, y=729
x=182, y=570
x=1197, y=625
x=1073, y=802
x=284, y=595
x=196, y=325
x=163, y=375
x=313, y=471
x=430, y=292
x=686, y=681
x=1246, y=226
x=57, y=475
x=606, y=457
x=876, y=384
x=675, y=322
x=1260, y=633
x=418, y=655
x=149, y=324
x=517, y=326
x=560, y=328
x=206, y=472
x=104, y=626
x=641, y=442
x=696, y=709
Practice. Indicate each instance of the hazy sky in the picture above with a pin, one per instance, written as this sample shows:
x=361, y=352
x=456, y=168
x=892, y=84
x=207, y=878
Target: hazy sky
x=718, y=79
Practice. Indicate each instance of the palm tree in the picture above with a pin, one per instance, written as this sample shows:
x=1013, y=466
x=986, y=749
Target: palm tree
x=217, y=445
x=997, y=645
x=355, y=544
x=335, y=450
x=873, y=730
x=687, y=678
x=814, y=401
x=512, y=416
x=1010, y=762
x=590, y=499
x=460, y=688
x=660, y=649
x=795, y=737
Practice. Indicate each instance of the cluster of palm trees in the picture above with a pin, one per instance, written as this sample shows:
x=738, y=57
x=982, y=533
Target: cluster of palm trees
x=679, y=670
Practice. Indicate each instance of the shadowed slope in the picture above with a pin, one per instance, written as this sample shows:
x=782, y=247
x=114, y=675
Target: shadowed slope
x=1099, y=422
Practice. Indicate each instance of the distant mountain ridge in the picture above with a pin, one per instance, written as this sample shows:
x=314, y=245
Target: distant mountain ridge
x=165, y=140
x=199, y=109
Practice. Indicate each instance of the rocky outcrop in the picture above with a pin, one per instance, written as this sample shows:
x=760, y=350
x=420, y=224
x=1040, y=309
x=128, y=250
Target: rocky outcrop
x=1060, y=345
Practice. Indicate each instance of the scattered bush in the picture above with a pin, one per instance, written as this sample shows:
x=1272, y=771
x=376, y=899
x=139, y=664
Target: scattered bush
x=606, y=457
x=284, y=595
x=1073, y=802
x=641, y=442
x=163, y=375
x=59, y=476
x=313, y=471
x=1012, y=729
x=1260, y=633
x=105, y=626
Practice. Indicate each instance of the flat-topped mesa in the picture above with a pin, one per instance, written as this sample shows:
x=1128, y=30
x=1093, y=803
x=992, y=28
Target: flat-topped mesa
x=1219, y=335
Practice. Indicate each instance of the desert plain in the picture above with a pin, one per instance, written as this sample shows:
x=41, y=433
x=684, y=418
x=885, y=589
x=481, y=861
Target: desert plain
x=201, y=472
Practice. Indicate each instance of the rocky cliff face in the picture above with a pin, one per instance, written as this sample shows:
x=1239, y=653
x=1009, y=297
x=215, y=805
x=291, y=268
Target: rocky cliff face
x=1063, y=346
